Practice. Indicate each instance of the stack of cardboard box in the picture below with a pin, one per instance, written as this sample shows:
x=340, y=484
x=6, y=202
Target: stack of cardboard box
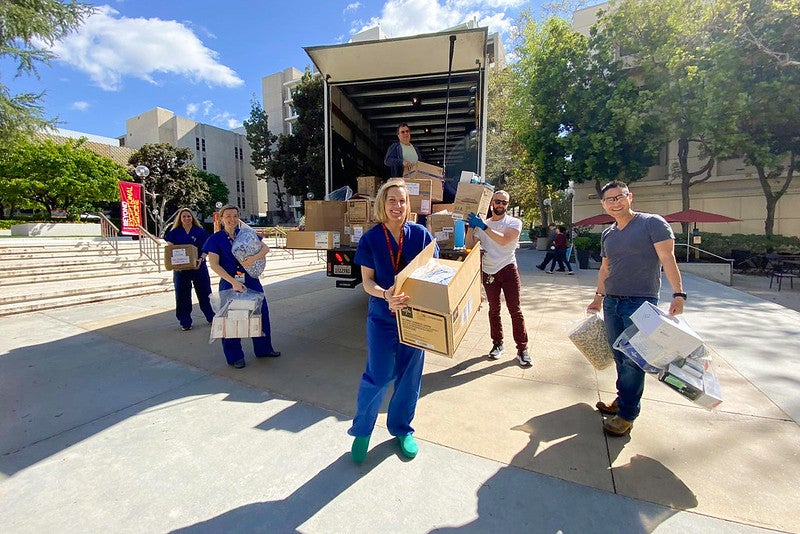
x=238, y=318
x=425, y=187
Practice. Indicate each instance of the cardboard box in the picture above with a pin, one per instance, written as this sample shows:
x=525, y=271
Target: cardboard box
x=438, y=316
x=360, y=210
x=180, y=257
x=442, y=226
x=439, y=207
x=662, y=338
x=356, y=231
x=312, y=240
x=421, y=169
x=423, y=192
x=369, y=185
x=327, y=215
x=471, y=198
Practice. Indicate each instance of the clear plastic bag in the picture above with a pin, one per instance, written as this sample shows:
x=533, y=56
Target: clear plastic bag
x=247, y=243
x=341, y=194
x=589, y=336
x=238, y=314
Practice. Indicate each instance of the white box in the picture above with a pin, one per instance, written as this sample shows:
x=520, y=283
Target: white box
x=662, y=338
x=255, y=326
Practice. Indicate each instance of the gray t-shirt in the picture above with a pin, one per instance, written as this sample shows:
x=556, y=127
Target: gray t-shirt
x=634, y=269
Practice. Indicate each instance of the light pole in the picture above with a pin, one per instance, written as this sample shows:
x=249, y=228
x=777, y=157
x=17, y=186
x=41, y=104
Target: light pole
x=571, y=194
x=143, y=172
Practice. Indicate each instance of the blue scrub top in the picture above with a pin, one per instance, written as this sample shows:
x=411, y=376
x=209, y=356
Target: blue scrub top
x=221, y=244
x=373, y=254
x=196, y=236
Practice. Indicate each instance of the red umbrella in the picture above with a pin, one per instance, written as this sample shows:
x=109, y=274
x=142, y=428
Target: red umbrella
x=603, y=218
x=696, y=216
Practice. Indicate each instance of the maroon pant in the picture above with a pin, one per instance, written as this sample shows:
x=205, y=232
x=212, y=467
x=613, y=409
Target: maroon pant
x=505, y=280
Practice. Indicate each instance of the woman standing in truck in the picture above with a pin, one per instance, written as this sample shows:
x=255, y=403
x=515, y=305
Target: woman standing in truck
x=383, y=251
x=187, y=231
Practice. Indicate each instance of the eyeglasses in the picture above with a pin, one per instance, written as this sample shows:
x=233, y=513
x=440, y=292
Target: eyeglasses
x=616, y=198
x=501, y=202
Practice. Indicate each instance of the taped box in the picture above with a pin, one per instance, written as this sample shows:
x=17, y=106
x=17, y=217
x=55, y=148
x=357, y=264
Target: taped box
x=471, y=198
x=180, y=257
x=442, y=226
x=421, y=169
x=423, y=192
x=308, y=240
x=438, y=315
x=327, y=215
x=369, y=185
x=662, y=338
x=360, y=210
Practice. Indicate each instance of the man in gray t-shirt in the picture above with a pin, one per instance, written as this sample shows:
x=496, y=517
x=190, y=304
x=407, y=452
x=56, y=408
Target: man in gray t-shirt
x=633, y=249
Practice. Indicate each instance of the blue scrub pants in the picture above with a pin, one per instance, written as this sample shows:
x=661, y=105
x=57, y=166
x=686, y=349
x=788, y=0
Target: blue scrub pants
x=388, y=360
x=232, y=346
x=630, y=377
x=183, y=281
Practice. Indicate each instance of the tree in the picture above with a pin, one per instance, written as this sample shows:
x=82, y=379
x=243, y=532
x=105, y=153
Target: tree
x=173, y=180
x=261, y=141
x=217, y=193
x=58, y=176
x=299, y=160
x=23, y=25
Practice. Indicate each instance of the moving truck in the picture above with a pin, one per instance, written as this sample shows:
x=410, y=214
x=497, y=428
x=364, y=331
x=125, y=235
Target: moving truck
x=437, y=83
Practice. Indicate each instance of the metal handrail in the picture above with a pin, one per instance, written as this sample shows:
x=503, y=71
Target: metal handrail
x=150, y=247
x=729, y=260
x=278, y=236
x=109, y=232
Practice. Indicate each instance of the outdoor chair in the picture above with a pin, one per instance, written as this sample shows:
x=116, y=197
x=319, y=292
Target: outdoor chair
x=779, y=272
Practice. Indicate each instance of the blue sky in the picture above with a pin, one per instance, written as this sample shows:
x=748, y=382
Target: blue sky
x=205, y=59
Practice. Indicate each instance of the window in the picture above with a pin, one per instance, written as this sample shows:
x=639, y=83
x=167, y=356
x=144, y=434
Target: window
x=235, y=153
x=203, y=141
x=204, y=164
x=241, y=153
x=197, y=143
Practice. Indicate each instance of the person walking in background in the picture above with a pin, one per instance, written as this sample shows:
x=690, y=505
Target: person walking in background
x=551, y=240
x=233, y=275
x=633, y=250
x=187, y=230
x=382, y=252
x=499, y=238
x=560, y=251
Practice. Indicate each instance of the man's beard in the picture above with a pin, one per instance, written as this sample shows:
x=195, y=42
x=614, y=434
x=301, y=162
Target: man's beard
x=498, y=211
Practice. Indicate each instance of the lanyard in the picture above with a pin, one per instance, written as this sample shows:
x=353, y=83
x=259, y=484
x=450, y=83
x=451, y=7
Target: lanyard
x=395, y=261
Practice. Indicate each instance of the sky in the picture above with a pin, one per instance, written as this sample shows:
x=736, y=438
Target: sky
x=205, y=59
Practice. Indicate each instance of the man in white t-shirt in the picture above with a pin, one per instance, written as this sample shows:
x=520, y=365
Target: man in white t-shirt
x=499, y=238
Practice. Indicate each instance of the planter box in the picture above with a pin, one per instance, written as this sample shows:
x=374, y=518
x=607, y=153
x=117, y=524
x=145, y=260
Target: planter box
x=55, y=229
x=716, y=272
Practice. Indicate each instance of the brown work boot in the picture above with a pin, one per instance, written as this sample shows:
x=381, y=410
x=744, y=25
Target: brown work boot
x=607, y=409
x=617, y=426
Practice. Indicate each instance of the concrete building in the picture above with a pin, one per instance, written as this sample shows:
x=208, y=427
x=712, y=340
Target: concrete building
x=225, y=153
x=733, y=188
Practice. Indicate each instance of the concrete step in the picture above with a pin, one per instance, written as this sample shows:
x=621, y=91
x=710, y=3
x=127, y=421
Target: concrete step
x=51, y=274
x=74, y=300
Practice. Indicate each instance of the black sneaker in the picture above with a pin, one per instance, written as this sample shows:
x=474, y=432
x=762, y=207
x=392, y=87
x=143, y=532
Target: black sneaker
x=540, y=267
x=186, y=328
x=524, y=358
x=496, y=352
x=238, y=364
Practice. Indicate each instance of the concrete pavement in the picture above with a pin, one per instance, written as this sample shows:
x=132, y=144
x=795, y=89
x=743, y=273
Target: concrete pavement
x=114, y=419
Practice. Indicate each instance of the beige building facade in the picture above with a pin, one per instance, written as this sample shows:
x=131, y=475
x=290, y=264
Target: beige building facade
x=222, y=152
x=733, y=188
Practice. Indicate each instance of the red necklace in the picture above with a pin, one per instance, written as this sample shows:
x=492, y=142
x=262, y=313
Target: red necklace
x=395, y=260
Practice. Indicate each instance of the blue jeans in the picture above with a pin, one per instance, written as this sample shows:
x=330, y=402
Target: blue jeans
x=630, y=377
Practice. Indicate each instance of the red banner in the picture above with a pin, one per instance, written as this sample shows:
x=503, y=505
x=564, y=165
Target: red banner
x=130, y=195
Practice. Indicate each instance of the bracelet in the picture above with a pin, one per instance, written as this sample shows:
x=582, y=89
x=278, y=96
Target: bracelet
x=681, y=295
x=384, y=295
x=599, y=294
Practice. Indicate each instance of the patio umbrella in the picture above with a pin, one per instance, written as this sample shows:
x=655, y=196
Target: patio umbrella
x=603, y=218
x=696, y=216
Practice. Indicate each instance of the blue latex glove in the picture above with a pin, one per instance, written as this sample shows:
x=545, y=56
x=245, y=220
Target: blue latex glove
x=476, y=222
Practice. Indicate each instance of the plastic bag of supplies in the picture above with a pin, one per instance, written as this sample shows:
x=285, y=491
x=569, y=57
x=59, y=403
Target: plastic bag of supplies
x=238, y=314
x=589, y=336
x=245, y=244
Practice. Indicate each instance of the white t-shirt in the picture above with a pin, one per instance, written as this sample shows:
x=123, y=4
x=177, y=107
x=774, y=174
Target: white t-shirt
x=498, y=256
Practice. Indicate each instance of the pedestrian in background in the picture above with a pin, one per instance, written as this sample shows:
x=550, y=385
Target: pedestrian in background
x=560, y=251
x=383, y=251
x=499, y=239
x=633, y=251
x=551, y=246
x=187, y=230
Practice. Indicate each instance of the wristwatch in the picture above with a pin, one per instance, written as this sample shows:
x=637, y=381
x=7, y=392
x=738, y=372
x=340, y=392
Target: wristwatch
x=681, y=295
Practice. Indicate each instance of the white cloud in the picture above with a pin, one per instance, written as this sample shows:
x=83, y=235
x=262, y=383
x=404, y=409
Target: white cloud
x=352, y=7
x=109, y=48
x=207, y=113
x=410, y=17
x=80, y=105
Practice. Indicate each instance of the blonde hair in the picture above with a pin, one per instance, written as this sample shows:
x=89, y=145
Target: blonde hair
x=178, y=223
x=383, y=192
x=227, y=207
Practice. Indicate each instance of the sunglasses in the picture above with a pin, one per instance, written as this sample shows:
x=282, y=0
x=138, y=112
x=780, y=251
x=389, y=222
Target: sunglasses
x=501, y=202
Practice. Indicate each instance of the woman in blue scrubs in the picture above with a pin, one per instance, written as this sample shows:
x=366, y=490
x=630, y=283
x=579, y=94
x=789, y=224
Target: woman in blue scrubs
x=382, y=252
x=233, y=276
x=187, y=231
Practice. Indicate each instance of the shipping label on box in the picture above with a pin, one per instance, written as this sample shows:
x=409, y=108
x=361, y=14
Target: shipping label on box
x=180, y=257
x=358, y=230
x=442, y=226
x=369, y=185
x=424, y=189
x=662, y=338
x=471, y=198
x=360, y=210
x=325, y=215
x=312, y=240
x=438, y=315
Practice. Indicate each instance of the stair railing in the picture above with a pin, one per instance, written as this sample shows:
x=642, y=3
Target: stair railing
x=109, y=232
x=150, y=247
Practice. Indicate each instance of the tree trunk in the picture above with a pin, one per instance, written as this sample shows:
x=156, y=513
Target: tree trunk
x=772, y=197
x=687, y=175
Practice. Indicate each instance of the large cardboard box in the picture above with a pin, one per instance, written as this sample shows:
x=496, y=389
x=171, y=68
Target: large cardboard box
x=180, y=257
x=421, y=169
x=325, y=215
x=438, y=316
x=442, y=226
x=369, y=185
x=360, y=209
x=423, y=192
x=312, y=240
x=356, y=231
x=471, y=198
x=662, y=338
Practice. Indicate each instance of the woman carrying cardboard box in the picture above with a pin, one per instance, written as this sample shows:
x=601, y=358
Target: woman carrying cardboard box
x=382, y=252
